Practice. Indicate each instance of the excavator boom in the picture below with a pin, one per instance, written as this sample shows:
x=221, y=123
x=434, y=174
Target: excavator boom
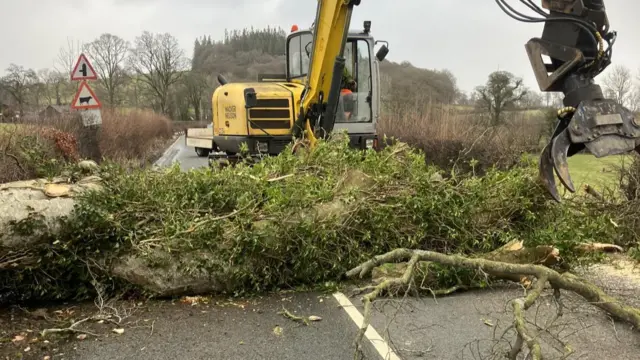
x=322, y=88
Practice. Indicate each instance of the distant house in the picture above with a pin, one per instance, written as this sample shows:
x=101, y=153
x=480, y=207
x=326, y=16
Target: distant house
x=52, y=112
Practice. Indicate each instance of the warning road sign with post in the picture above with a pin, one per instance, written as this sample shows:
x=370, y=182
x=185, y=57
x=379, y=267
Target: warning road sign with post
x=83, y=70
x=85, y=98
x=91, y=117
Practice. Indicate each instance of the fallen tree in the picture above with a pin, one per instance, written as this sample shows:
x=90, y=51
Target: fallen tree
x=513, y=267
x=288, y=220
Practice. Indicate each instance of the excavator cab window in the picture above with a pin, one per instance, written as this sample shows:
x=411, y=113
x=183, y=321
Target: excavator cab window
x=354, y=105
x=297, y=55
x=355, y=100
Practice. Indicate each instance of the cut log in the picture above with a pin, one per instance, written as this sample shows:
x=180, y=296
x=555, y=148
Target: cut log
x=30, y=209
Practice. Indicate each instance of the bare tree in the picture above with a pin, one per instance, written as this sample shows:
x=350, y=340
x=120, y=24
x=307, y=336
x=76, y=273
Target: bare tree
x=450, y=90
x=618, y=84
x=531, y=99
x=159, y=62
x=195, y=84
x=67, y=57
x=633, y=100
x=108, y=54
x=45, y=86
x=501, y=91
x=19, y=82
x=553, y=99
x=57, y=82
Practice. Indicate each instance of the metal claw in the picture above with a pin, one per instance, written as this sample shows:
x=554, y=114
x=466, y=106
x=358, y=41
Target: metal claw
x=546, y=172
x=547, y=160
x=559, y=150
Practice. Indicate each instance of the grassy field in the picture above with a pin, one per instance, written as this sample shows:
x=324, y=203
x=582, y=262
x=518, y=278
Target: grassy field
x=601, y=174
x=585, y=169
x=7, y=126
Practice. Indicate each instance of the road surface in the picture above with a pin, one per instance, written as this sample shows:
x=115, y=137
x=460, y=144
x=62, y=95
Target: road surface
x=185, y=156
x=462, y=326
x=467, y=325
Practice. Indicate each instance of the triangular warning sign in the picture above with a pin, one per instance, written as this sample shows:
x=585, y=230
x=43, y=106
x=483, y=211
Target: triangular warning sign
x=85, y=98
x=83, y=70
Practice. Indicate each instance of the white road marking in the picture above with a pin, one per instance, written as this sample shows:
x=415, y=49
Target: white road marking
x=371, y=334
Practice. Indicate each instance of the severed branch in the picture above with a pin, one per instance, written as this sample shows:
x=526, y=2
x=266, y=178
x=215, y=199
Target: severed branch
x=107, y=312
x=519, y=322
x=501, y=269
x=71, y=328
x=593, y=192
x=286, y=313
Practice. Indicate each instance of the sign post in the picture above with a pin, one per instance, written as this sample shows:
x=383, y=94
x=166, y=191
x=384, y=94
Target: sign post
x=88, y=105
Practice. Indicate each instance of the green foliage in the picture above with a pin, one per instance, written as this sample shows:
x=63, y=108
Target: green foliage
x=37, y=154
x=297, y=220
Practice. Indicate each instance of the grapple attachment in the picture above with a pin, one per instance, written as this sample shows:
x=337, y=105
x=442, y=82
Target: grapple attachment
x=574, y=37
x=603, y=127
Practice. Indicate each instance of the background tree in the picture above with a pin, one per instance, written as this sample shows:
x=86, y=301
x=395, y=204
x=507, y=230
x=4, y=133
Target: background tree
x=57, y=82
x=108, y=54
x=195, y=84
x=618, y=84
x=159, y=62
x=531, y=99
x=553, y=99
x=67, y=56
x=502, y=90
x=19, y=84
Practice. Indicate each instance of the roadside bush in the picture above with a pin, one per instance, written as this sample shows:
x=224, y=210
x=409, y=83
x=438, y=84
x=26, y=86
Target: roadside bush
x=630, y=178
x=29, y=151
x=128, y=136
x=464, y=141
x=135, y=135
x=294, y=219
x=627, y=209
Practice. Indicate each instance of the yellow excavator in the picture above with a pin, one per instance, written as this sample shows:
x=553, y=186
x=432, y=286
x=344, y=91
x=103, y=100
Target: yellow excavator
x=332, y=83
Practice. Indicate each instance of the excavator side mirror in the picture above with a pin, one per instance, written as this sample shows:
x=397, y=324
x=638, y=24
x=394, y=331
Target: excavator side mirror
x=382, y=52
x=222, y=80
x=250, y=99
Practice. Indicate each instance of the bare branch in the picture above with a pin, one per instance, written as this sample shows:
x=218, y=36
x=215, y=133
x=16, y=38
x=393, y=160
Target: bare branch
x=501, y=269
x=67, y=57
x=19, y=84
x=108, y=54
x=159, y=62
x=618, y=84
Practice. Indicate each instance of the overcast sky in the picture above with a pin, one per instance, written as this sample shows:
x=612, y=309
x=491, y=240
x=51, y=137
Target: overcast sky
x=469, y=37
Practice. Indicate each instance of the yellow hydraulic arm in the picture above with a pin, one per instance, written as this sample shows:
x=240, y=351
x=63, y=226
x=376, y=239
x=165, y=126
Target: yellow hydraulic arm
x=322, y=88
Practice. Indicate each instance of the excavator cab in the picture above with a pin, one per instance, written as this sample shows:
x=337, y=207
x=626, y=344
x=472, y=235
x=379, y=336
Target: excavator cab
x=359, y=102
x=260, y=116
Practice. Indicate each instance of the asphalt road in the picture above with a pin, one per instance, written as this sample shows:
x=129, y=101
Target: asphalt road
x=463, y=326
x=240, y=330
x=185, y=156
